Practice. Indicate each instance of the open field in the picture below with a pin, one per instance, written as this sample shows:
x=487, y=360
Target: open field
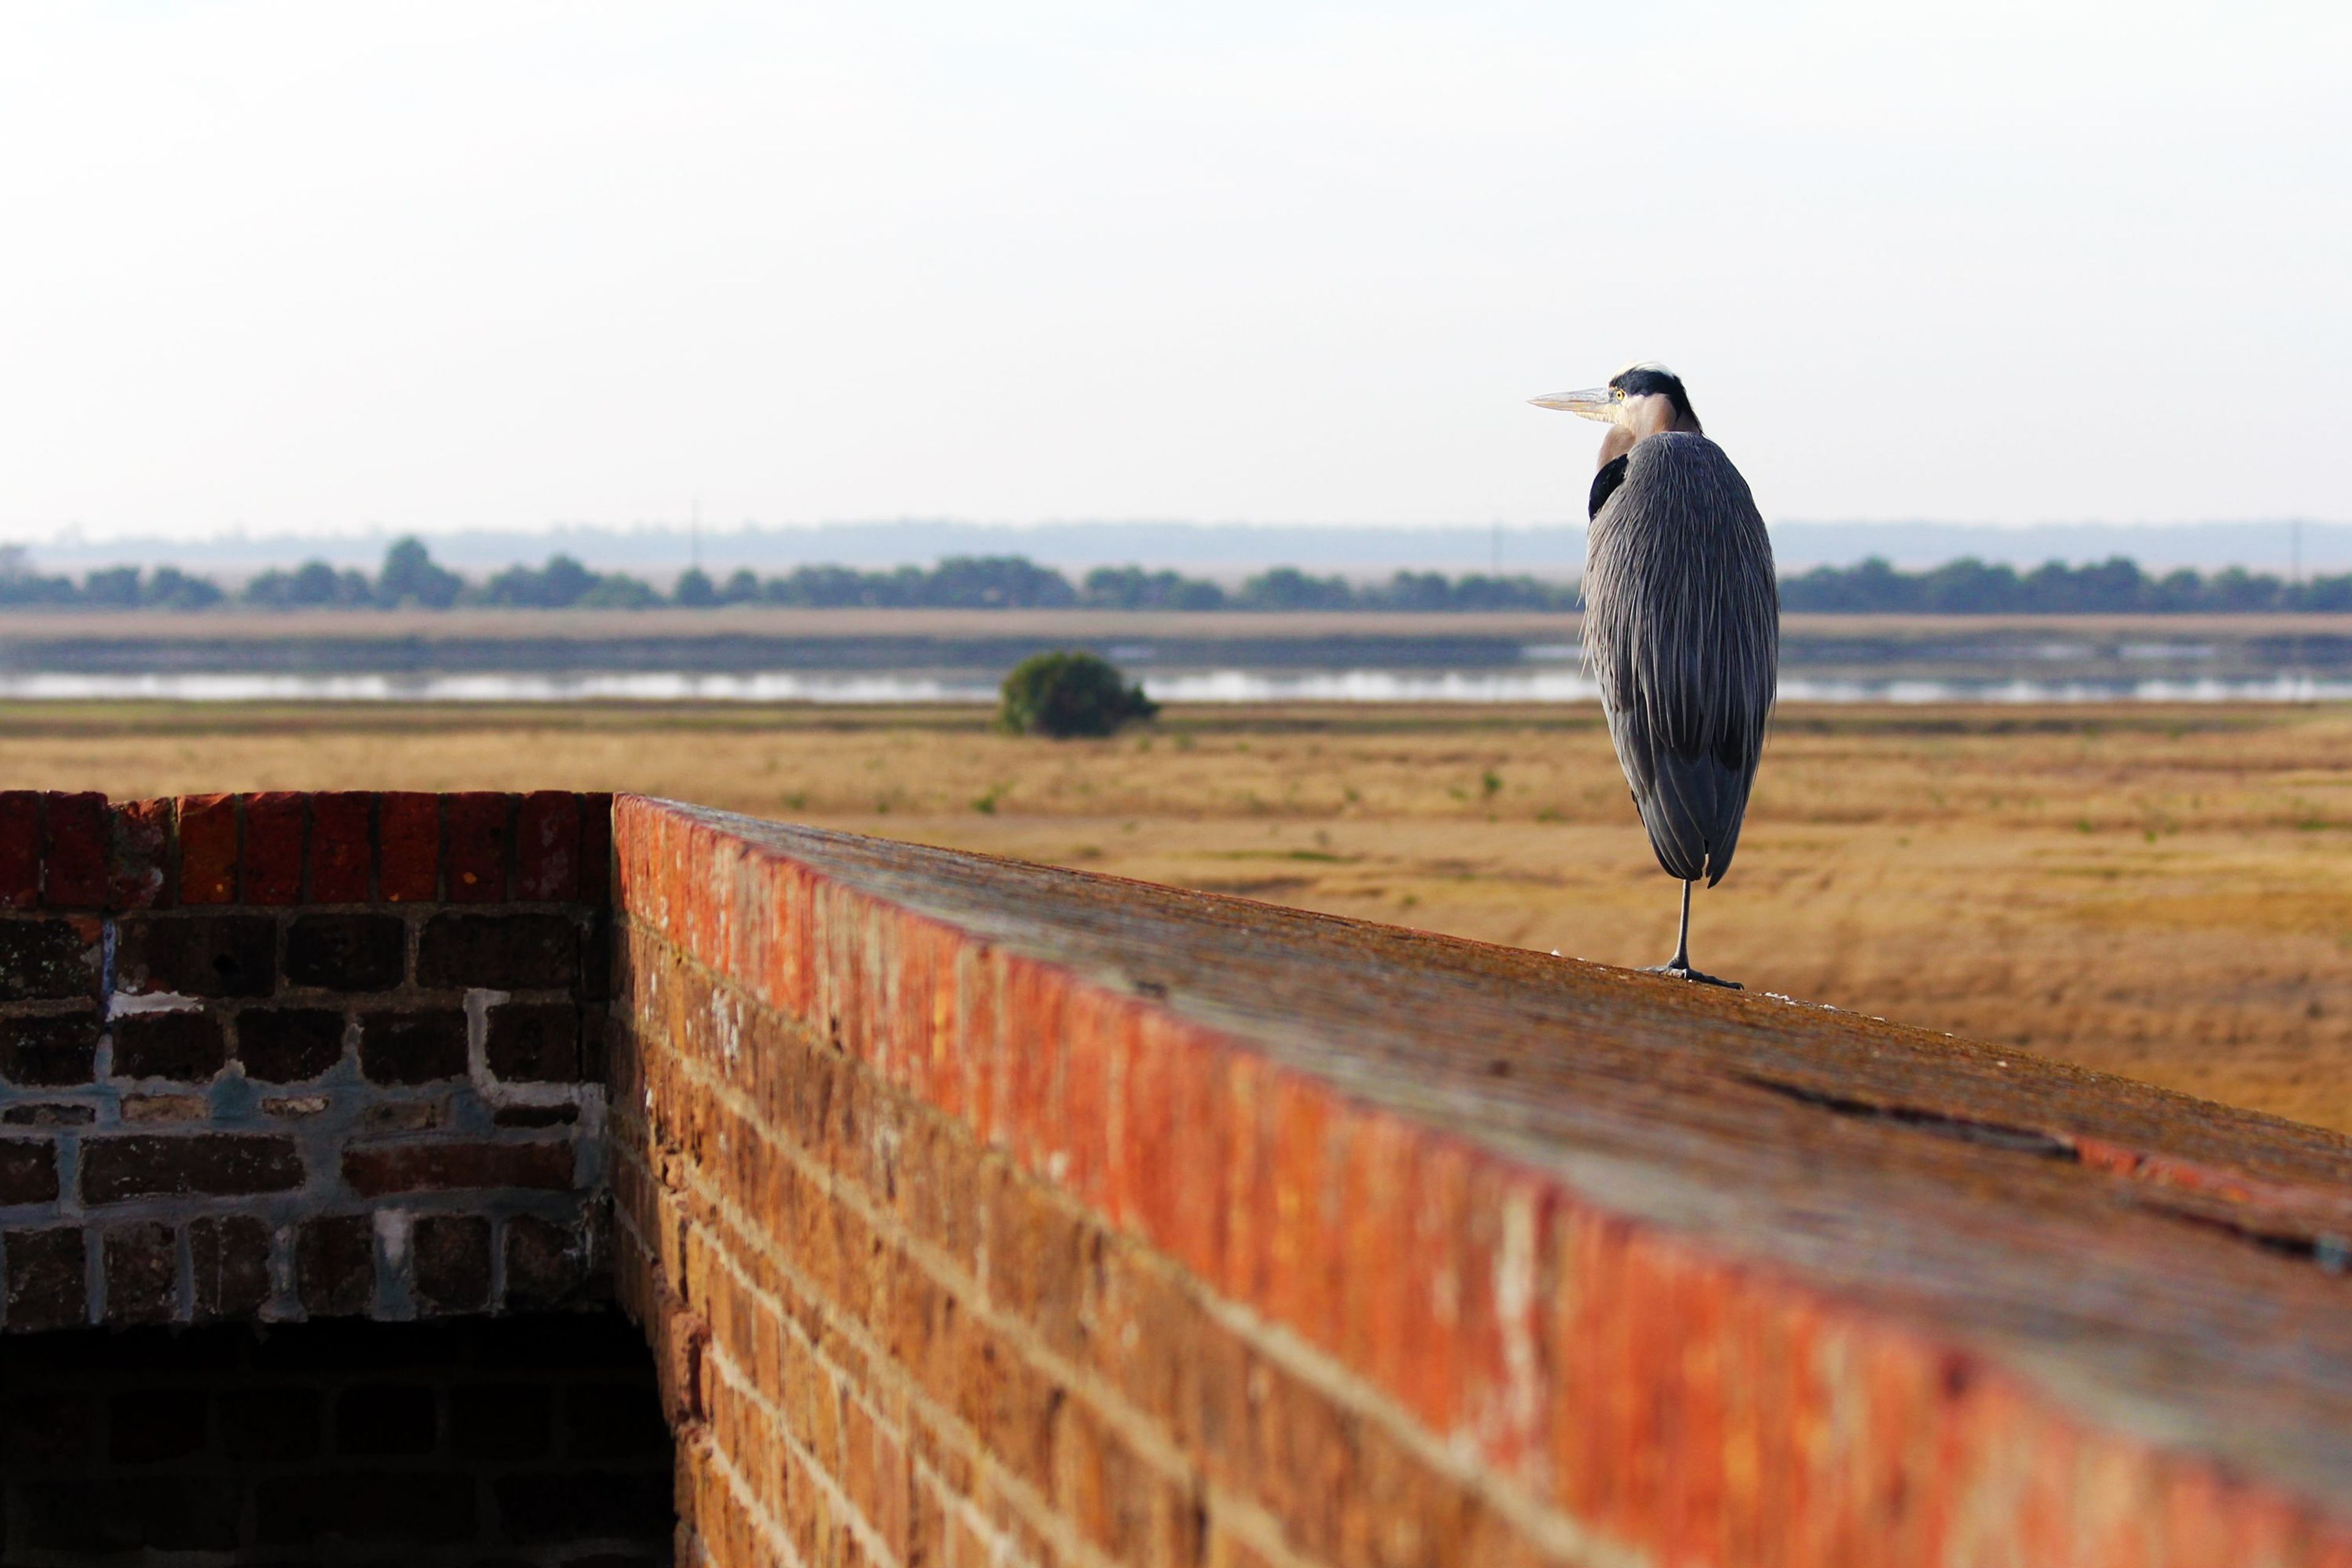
x=2160, y=891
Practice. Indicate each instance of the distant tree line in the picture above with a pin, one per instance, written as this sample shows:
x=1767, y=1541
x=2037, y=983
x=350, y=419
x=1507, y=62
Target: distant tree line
x=411, y=578
x=2114, y=586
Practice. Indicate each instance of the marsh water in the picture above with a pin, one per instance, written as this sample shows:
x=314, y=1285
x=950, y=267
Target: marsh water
x=1916, y=662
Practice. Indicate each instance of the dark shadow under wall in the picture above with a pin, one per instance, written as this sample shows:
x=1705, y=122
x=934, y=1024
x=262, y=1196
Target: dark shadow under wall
x=534, y=1439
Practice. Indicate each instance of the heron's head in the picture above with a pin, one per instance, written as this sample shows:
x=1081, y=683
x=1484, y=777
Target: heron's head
x=1640, y=400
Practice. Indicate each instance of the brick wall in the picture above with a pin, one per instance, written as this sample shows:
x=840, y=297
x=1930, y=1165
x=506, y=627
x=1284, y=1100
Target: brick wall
x=982, y=1213
x=979, y=1212
x=530, y=1440
x=292, y=1056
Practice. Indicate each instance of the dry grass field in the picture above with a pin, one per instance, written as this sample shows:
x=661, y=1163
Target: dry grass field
x=2163, y=892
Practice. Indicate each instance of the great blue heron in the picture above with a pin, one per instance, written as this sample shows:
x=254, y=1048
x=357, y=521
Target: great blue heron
x=1682, y=623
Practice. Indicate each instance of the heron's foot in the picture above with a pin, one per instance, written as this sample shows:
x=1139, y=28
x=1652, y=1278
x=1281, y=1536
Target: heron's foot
x=1684, y=972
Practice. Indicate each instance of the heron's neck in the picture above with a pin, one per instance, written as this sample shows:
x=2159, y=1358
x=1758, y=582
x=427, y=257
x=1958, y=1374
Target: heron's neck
x=1643, y=417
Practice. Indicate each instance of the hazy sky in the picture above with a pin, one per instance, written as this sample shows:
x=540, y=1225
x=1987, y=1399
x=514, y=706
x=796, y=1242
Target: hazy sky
x=295, y=266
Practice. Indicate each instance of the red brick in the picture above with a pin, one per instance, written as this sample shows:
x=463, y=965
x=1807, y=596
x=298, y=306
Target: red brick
x=378, y=1169
x=141, y=1273
x=546, y=1263
x=47, y=1288
x=270, y=859
x=230, y=1260
x=408, y=838
x=77, y=840
x=114, y=1169
x=140, y=855
x=29, y=1171
x=413, y=1047
x=49, y=1049
x=341, y=862
x=208, y=849
x=547, y=846
x=335, y=1265
x=20, y=848
x=450, y=1255
x=50, y=958
x=480, y=832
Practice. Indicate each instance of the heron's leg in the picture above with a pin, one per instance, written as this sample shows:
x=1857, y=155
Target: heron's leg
x=1680, y=966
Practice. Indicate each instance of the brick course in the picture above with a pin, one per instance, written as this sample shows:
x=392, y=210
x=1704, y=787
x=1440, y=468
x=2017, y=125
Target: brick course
x=219, y=1049
x=974, y=1212
x=957, y=1239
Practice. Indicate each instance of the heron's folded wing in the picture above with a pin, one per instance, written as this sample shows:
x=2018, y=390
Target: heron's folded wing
x=1682, y=630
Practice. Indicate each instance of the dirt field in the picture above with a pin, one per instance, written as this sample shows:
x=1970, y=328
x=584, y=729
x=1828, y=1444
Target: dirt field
x=2165, y=892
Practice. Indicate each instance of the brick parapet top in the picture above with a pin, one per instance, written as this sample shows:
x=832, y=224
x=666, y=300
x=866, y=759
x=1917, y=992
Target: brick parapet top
x=82, y=853
x=1394, y=1144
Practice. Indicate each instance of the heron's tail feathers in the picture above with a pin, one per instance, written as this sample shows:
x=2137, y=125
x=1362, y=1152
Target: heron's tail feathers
x=1694, y=808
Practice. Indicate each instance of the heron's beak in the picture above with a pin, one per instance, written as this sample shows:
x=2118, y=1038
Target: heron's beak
x=1599, y=403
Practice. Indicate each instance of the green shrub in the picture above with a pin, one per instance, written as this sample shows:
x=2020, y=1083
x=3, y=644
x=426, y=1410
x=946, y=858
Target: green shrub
x=1064, y=694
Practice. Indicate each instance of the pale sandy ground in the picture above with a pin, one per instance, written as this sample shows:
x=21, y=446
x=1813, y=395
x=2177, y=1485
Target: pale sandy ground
x=2160, y=892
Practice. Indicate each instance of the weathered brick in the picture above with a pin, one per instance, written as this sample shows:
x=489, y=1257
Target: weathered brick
x=408, y=839
x=117, y=1168
x=288, y=1044
x=546, y=1263
x=510, y=953
x=547, y=846
x=50, y=1050
x=207, y=831
x=343, y=856
x=411, y=1048
x=29, y=1171
x=139, y=859
x=451, y=1256
x=48, y=1113
x=479, y=834
x=230, y=1258
x=346, y=951
x=165, y=1108
x=335, y=1265
x=185, y=1046
x=20, y=848
x=47, y=1288
x=535, y=1042
x=375, y=1169
x=142, y=1273
x=270, y=859
x=197, y=954
x=77, y=839
x=49, y=957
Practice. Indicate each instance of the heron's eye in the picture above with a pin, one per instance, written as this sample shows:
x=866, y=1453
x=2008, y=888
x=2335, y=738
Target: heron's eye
x=1618, y=393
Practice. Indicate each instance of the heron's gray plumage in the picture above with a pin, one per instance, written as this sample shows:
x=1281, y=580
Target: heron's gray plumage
x=1682, y=632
